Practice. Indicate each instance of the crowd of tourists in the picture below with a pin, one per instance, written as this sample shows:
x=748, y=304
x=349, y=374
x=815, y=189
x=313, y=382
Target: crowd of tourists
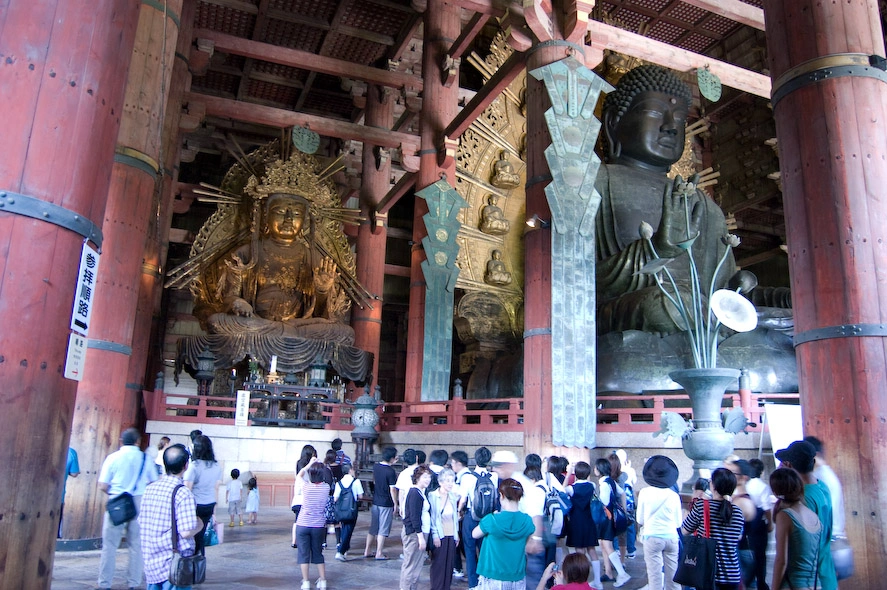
x=548, y=523
x=503, y=524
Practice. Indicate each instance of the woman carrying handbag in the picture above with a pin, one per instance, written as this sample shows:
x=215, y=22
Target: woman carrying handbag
x=725, y=523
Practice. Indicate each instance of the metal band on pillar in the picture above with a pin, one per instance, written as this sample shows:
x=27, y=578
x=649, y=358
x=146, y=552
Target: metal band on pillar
x=827, y=67
x=136, y=159
x=842, y=331
x=55, y=214
x=109, y=346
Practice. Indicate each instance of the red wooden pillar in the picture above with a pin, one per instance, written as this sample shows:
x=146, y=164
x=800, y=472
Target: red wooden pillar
x=537, y=264
x=107, y=401
x=147, y=345
x=833, y=158
x=439, y=106
x=62, y=77
x=373, y=233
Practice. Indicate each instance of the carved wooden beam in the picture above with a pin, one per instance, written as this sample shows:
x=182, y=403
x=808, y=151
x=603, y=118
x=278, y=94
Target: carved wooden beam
x=512, y=67
x=305, y=60
x=608, y=37
x=735, y=10
x=281, y=118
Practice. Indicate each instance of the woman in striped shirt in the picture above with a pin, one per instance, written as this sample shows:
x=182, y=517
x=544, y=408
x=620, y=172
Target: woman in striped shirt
x=726, y=528
x=311, y=523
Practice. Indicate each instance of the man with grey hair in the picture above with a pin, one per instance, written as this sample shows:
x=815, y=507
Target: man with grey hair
x=124, y=471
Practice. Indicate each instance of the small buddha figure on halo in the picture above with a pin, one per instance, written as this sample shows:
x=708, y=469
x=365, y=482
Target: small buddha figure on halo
x=504, y=175
x=644, y=121
x=279, y=288
x=496, y=273
x=492, y=219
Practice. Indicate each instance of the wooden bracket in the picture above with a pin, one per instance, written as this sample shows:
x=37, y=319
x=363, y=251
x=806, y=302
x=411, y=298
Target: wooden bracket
x=377, y=221
x=198, y=61
x=446, y=152
x=450, y=70
x=409, y=161
x=537, y=13
x=381, y=155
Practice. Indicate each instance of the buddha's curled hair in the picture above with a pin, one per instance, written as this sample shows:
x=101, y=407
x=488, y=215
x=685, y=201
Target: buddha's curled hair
x=644, y=79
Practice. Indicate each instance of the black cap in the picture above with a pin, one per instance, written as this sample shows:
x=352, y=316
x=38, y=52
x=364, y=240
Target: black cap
x=799, y=453
x=660, y=472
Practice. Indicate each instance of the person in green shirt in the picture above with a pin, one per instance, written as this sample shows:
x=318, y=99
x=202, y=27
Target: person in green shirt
x=800, y=456
x=503, y=561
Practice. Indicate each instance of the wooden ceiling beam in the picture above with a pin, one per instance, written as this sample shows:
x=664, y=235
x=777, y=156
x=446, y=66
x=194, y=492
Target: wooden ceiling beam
x=759, y=257
x=490, y=7
x=282, y=118
x=305, y=60
x=510, y=70
x=404, y=185
x=461, y=45
x=604, y=36
x=735, y=10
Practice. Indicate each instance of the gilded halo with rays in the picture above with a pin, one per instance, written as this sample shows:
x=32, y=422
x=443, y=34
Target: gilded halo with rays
x=238, y=220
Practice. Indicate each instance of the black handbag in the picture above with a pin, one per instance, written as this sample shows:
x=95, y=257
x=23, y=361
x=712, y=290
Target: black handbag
x=696, y=561
x=184, y=571
x=122, y=508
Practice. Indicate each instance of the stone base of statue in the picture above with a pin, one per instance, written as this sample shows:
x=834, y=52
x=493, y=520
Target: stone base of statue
x=635, y=361
x=294, y=355
x=708, y=444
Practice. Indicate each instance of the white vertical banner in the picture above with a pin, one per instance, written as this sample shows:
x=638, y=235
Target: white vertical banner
x=85, y=290
x=241, y=410
x=76, y=358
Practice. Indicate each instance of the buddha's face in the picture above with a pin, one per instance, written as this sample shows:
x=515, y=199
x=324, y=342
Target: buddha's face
x=651, y=132
x=286, y=216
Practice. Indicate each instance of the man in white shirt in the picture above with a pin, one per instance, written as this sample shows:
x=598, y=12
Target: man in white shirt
x=459, y=465
x=405, y=478
x=124, y=471
x=467, y=486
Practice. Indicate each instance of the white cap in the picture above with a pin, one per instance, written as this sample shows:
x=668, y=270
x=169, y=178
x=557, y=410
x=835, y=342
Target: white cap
x=500, y=457
x=623, y=456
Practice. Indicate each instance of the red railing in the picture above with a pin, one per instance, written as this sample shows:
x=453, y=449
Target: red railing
x=205, y=409
x=616, y=413
x=642, y=412
x=506, y=414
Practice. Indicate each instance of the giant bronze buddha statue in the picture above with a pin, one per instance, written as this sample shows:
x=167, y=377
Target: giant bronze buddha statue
x=639, y=339
x=644, y=120
x=278, y=289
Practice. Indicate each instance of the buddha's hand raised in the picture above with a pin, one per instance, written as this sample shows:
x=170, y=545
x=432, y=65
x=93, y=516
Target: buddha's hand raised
x=325, y=275
x=241, y=308
x=682, y=211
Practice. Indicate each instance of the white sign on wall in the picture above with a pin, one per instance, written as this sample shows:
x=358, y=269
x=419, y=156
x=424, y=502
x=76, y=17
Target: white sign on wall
x=241, y=411
x=76, y=358
x=85, y=290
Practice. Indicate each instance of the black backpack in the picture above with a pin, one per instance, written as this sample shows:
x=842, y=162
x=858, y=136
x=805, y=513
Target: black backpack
x=434, y=485
x=346, y=505
x=485, y=499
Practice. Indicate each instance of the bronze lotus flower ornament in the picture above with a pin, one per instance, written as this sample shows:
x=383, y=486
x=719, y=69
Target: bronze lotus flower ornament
x=702, y=315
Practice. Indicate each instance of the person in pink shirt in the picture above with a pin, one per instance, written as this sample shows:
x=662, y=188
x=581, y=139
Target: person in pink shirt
x=572, y=574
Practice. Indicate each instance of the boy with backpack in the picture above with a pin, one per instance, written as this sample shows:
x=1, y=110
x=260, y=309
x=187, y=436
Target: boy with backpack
x=346, y=496
x=480, y=497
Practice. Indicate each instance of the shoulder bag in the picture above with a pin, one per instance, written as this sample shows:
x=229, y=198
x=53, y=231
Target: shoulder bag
x=617, y=512
x=599, y=512
x=184, y=571
x=696, y=562
x=122, y=508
